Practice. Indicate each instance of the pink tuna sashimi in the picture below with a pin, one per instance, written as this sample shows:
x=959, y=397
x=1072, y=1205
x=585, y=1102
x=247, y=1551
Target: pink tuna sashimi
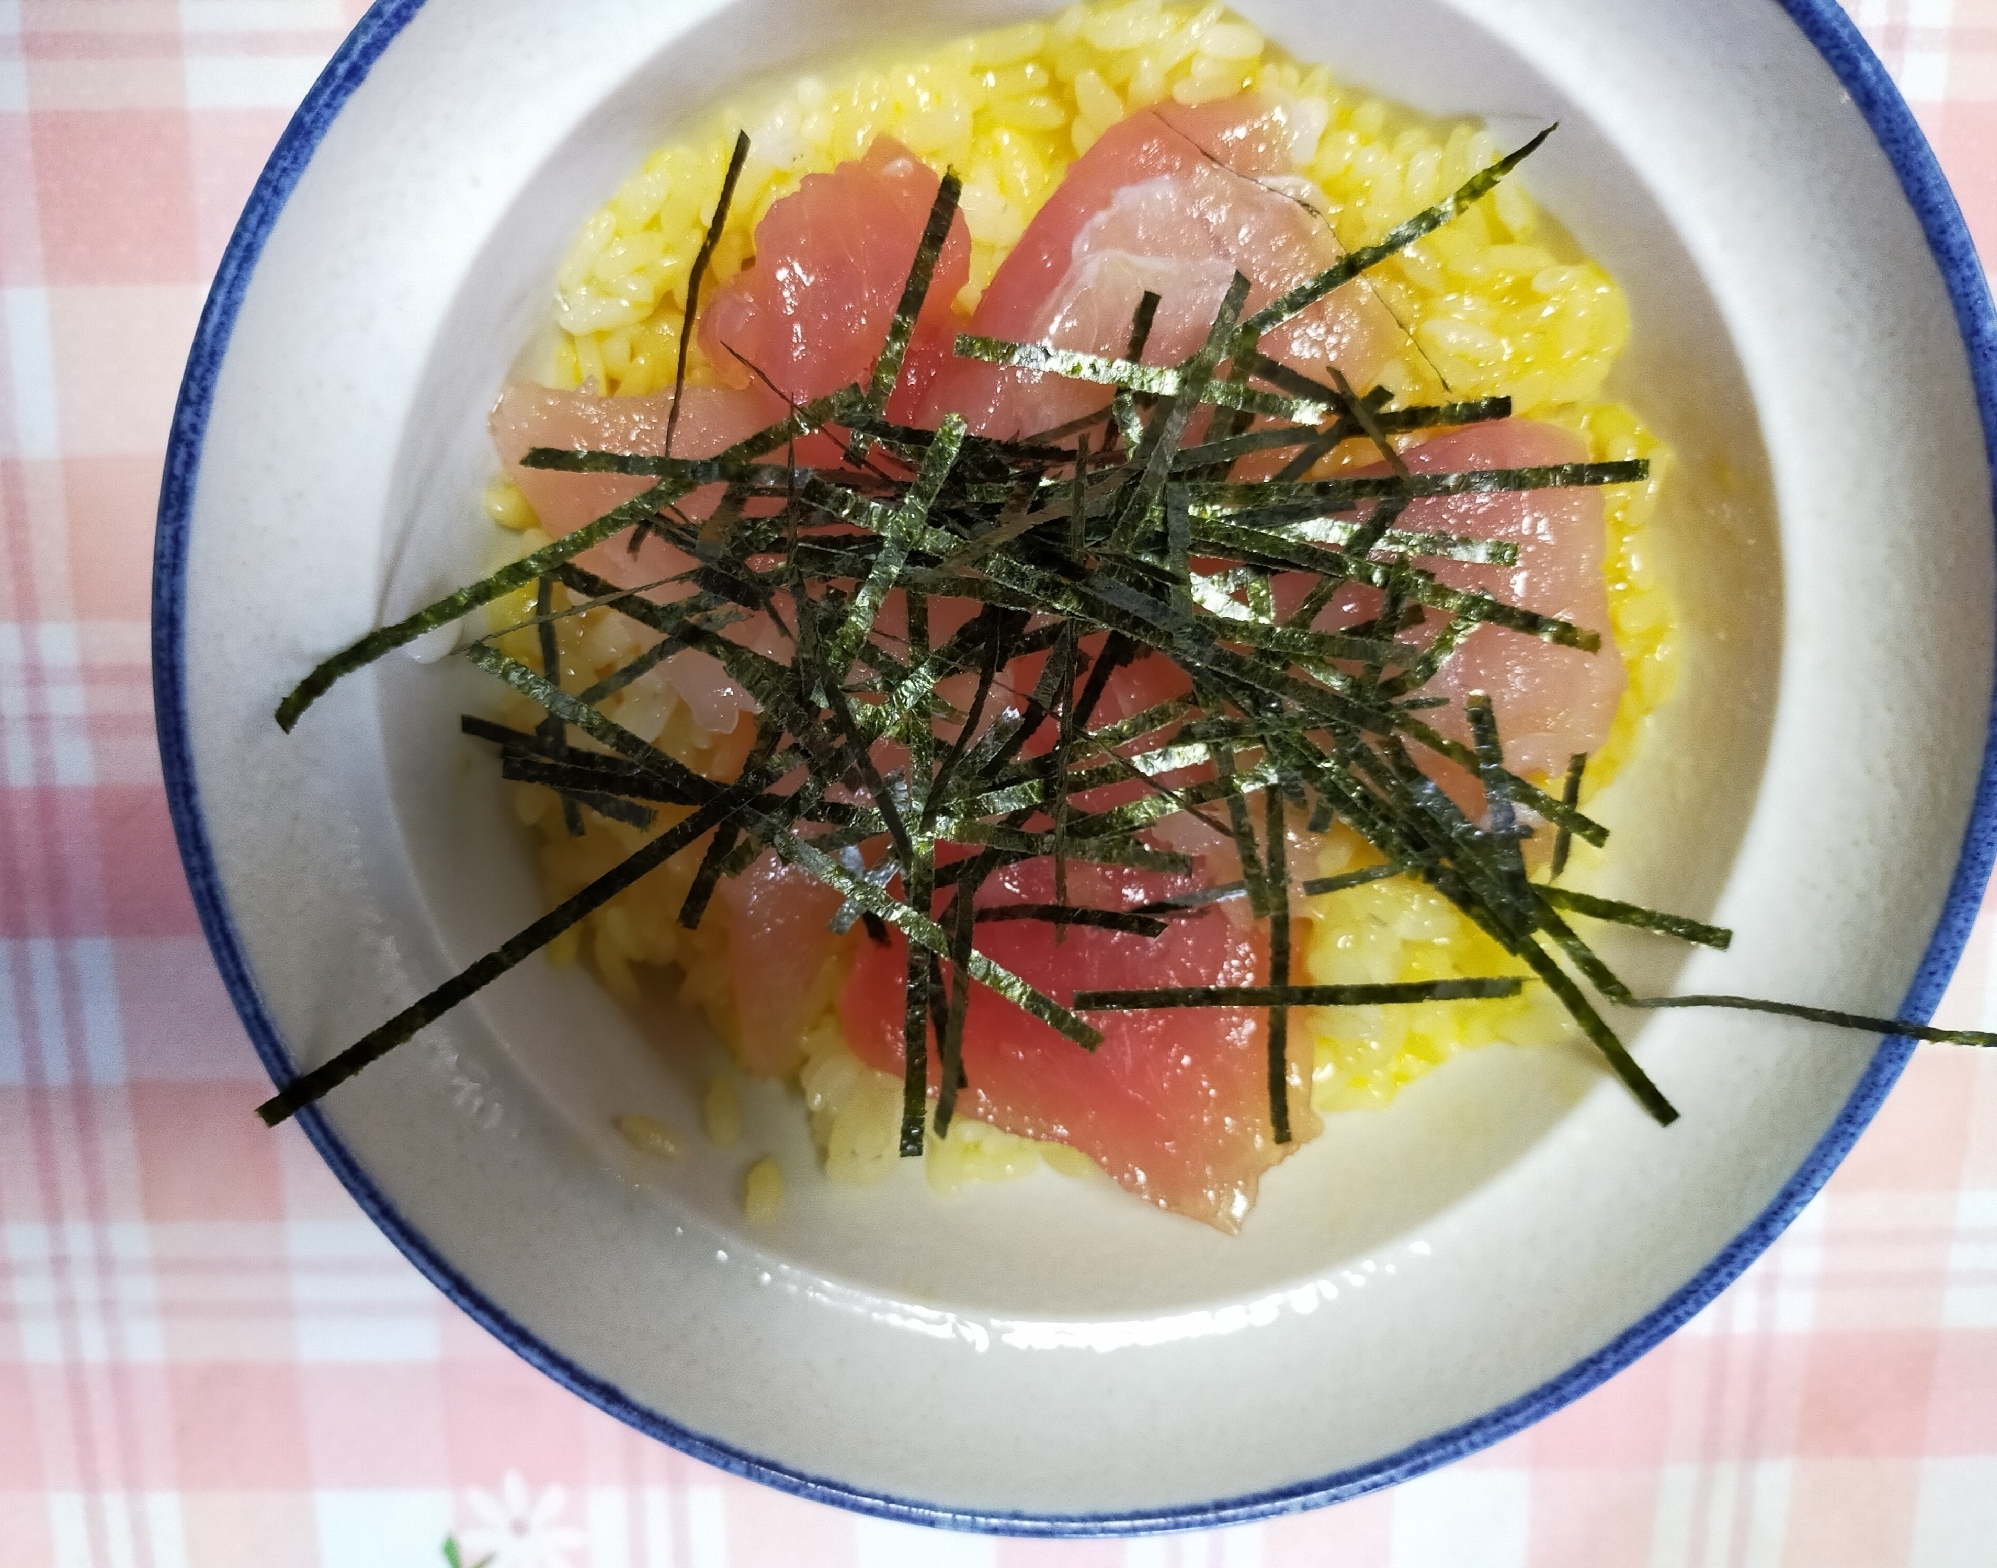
x=778, y=942
x=1171, y=200
x=711, y=420
x=811, y=315
x=1550, y=701
x=1173, y=1105
x=832, y=259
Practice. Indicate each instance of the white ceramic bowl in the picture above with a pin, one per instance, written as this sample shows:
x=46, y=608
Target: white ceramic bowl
x=1050, y=1355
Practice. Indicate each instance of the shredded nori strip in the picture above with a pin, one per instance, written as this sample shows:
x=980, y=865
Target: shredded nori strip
x=705, y=254
x=901, y=330
x=1318, y=887
x=1825, y=1015
x=590, y=785
x=378, y=1042
x=1634, y=915
x=1154, y=551
x=1392, y=995
x=1570, y=796
x=1275, y=834
x=553, y=731
x=1474, y=189
x=1132, y=922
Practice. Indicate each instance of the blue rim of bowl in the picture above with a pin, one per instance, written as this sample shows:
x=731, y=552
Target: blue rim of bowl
x=1827, y=27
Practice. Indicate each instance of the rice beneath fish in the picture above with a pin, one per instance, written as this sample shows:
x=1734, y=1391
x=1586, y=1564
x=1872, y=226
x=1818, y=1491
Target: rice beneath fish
x=1496, y=303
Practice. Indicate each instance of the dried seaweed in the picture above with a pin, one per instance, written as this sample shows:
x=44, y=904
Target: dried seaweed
x=1133, y=540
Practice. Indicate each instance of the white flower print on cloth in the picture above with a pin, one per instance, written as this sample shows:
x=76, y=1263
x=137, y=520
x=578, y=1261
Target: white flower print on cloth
x=516, y=1529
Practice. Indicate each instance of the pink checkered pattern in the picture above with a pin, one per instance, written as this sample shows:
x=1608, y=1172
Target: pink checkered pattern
x=209, y=1359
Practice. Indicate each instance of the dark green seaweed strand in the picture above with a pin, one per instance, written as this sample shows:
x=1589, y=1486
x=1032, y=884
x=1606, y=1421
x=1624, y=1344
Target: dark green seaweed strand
x=1168, y=421
x=1535, y=799
x=1141, y=321
x=1823, y=1015
x=1117, y=652
x=918, y=876
x=1639, y=917
x=1196, y=898
x=1318, y=887
x=1503, y=833
x=1422, y=417
x=623, y=676
x=1434, y=817
x=1400, y=993
x=1338, y=432
x=455, y=606
x=1275, y=834
x=859, y=757
x=1522, y=791
x=698, y=272
x=588, y=782
x=1123, y=402
x=1008, y=740
x=592, y=722
x=1078, y=499
x=1428, y=415
x=1007, y=529
x=1314, y=496
x=1361, y=414
x=700, y=892
x=923, y=931
x=956, y=1006
x=904, y=525
x=1570, y=797
x=1152, y=381
x=1129, y=921
x=719, y=527
x=616, y=808
x=1240, y=828
x=1605, y=1039
x=666, y=619
x=510, y=740
x=1322, y=592
x=1355, y=262
x=1178, y=550
x=1408, y=582
x=553, y=731
x=920, y=731
x=971, y=875
x=901, y=330
x=1598, y=974
x=1058, y=777
x=1211, y=453
x=378, y=1042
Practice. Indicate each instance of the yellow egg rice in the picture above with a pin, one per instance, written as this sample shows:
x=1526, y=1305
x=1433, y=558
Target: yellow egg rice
x=1497, y=302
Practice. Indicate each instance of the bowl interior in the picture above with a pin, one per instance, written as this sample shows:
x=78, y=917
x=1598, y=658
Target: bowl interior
x=1509, y=1215
x=1053, y=1246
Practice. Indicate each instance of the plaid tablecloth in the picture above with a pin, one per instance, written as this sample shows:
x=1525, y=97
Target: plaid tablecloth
x=209, y=1359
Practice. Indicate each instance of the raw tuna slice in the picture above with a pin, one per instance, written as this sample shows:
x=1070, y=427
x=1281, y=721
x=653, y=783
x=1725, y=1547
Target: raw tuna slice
x=1550, y=701
x=832, y=259
x=811, y=315
x=1174, y=201
x=778, y=942
x=1173, y=1105
x=711, y=420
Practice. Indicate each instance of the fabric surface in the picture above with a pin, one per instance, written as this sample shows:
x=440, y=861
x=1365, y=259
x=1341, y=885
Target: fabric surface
x=209, y=1358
